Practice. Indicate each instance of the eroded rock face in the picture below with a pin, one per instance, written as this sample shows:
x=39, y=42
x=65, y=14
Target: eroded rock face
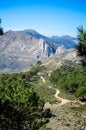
x=60, y=50
x=18, y=50
x=46, y=49
x=21, y=49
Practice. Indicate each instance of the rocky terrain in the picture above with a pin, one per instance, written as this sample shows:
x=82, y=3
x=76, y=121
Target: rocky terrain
x=21, y=49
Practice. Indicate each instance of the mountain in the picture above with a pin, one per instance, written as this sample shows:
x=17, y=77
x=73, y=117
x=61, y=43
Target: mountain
x=34, y=33
x=18, y=50
x=21, y=49
x=66, y=41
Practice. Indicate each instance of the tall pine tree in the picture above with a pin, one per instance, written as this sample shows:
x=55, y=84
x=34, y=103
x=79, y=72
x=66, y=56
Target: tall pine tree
x=1, y=29
x=81, y=48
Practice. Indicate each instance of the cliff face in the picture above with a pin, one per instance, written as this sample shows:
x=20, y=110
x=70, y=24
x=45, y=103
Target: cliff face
x=21, y=49
x=46, y=49
x=18, y=50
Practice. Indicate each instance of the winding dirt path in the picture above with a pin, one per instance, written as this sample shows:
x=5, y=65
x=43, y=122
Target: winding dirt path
x=62, y=100
x=43, y=80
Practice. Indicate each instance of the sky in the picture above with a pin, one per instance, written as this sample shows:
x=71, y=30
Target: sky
x=48, y=17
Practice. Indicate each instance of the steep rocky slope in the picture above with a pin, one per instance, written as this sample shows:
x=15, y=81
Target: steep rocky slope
x=21, y=49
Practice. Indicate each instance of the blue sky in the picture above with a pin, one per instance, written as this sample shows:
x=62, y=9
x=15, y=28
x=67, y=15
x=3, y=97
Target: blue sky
x=48, y=17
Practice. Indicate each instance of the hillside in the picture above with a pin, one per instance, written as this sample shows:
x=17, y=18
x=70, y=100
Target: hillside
x=68, y=111
x=39, y=97
x=21, y=49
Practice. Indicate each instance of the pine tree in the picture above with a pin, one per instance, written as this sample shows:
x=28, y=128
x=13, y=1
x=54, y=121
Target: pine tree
x=81, y=48
x=1, y=29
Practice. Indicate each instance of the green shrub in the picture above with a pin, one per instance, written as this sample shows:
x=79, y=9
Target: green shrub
x=20, y=106
x=71, y=80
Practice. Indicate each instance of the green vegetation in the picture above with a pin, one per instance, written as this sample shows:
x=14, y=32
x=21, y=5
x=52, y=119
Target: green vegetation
x=45, y=90
x=20, y=106
x=70, y=80
x=81, y=48
x=39, y=62
x=22, y=98
x=22, y=95
x=1, y=29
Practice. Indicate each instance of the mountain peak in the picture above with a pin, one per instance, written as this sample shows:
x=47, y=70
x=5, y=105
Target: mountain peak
x=31, y=31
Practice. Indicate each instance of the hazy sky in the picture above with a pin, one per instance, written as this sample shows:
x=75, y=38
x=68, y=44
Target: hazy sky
x=48, y=17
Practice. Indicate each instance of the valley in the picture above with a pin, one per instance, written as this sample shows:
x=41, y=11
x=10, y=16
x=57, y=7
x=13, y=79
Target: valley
x=42, y=80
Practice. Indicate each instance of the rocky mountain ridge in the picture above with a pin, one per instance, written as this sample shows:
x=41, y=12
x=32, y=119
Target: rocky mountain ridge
x=21, y=49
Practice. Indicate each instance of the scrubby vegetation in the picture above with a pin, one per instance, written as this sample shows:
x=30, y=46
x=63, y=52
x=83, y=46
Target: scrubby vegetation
x=71, y=80
x=20, y=106
x=22, y=98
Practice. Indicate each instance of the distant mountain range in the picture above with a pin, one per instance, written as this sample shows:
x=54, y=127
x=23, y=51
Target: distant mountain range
x=66, y=40
x=21, y=49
